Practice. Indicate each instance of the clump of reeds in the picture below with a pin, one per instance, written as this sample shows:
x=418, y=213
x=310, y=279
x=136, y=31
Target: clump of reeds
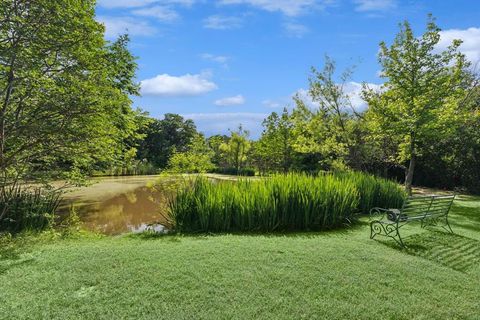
x=374, y=191
x=24, y=208
x=279, y=203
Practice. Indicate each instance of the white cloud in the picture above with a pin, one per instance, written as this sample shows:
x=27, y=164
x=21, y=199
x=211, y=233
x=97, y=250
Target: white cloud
x=220, y=22
x=231, y=101
x=287, y=7
x=215, y=123
x=161, y=13
x=115, y=26
x=374, y=5
x=305, y=97
x=166, y=85
x=471, y=42
x=295, y=30
x=140, y=3
x=352, y=89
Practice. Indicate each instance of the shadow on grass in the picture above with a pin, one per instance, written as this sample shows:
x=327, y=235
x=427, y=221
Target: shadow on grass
x=12, y=254
x=451, y=250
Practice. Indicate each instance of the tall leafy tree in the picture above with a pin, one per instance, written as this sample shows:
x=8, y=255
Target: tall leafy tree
x=274, y=149
x=452, y=159
x=235, y=150
x=198, y=158
x=164, y=137
x=328, y=126
x=63, y=89
x=214, y=142
x=422, y=86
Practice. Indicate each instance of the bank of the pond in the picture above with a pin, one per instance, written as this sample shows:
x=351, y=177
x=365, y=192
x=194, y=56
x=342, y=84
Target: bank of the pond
x=329, y=275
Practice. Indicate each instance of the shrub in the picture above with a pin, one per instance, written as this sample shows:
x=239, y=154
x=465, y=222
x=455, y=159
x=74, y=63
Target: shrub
x=279, y=203
x=24, y=208
x=189, y=162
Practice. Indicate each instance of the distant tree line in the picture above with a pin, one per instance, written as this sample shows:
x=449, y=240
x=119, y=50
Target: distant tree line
x=421, y=127
x=66, y=111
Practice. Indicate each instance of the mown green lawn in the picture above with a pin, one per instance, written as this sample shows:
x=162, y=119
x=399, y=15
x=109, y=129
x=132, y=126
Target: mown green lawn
x=332, y=275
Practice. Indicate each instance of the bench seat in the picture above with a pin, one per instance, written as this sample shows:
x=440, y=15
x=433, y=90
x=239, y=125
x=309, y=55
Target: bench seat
x=429, y=210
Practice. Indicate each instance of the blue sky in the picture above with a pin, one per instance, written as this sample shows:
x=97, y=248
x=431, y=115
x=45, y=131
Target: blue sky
x=226, y=62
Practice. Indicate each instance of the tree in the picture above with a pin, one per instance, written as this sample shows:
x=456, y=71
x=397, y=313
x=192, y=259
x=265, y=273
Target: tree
x=422, y=86
x=63, y=90
x=452, y=159
x=274, y=149
x=235, y=151
x=164, y=137
x=214, y=142
x=198, y=158
x=329, y=127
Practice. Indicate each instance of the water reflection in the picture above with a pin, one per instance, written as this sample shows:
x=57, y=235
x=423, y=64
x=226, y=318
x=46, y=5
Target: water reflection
x=119, y=205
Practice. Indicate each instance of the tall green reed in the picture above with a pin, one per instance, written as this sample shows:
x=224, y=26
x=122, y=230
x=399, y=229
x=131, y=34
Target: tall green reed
x=374, y=191
x=24, y=208
x=281, y=202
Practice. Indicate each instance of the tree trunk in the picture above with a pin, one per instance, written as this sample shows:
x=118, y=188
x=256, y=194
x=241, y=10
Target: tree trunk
x=3, y=114
x=411, y=167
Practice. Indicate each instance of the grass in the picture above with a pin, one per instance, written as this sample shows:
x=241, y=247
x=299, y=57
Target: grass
x=282, y=202
x=330, y=275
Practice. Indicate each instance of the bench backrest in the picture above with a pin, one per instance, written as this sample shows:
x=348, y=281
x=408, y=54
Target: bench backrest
x=416, y=206
x=440, y=205
x=427, y=206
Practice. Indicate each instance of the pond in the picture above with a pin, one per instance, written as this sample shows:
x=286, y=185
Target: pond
x=116, y=205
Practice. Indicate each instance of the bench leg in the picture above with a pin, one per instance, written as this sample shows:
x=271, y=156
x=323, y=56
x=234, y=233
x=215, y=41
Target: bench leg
x=437, y=221
x=447, y=225
x=400, y=241
x=424, y=223
x=391, y=230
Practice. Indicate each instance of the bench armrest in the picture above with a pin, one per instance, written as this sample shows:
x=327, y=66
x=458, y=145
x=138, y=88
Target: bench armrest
x=374, y=212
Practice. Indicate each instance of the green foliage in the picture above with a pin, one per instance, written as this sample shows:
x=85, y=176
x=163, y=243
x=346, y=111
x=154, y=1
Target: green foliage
x=165, y=137
x=123, y=66
x=131, y=168
x=330, y=129
x=27, y=209
x=279, y=203
x=235, y=150
x=214, y=142
x=274, y=150
x=452, y=159
x=196, y=160
x=64, y=90
x=69, y=225
x=422, y=88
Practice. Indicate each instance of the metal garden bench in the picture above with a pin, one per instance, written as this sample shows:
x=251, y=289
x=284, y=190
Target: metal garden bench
x=429, y=210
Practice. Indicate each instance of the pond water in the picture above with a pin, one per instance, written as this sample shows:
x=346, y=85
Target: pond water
x=116, y=205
